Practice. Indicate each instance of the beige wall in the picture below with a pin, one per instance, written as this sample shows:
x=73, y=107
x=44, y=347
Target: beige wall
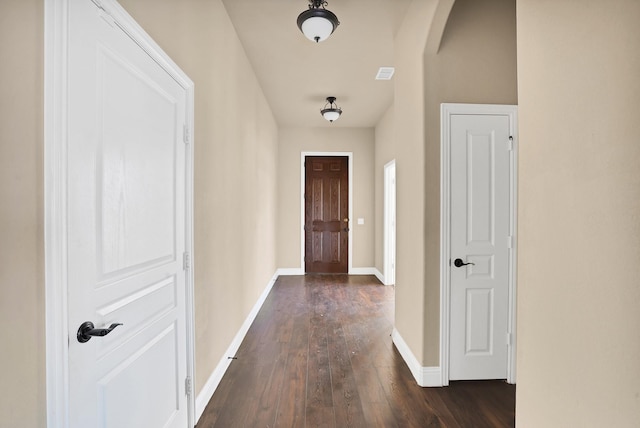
x=384, y=153
x=22, y=362
x=409, y=149
x=579, y=212
x=293, y=141
x=476, y=63
x=235, y=168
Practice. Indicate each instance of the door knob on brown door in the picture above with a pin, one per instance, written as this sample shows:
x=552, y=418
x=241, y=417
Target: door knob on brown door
x=346, y=220
x=87, y=330
x=460, y=263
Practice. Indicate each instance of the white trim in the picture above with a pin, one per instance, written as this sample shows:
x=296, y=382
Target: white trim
x=55, y=217
x=190, y=247
x=290, y=271
x=424, y=376
x=380, y=276
x=354, y=271
x=513, y=254
x=302, y=184
x=55, y=243
x=367, y=271
x=446, y=111
x=386, y=247
x=431, y=377
x=214, y=380
x=445, y=233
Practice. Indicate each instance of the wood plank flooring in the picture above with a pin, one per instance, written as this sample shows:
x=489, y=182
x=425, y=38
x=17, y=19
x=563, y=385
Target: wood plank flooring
x=319, y=354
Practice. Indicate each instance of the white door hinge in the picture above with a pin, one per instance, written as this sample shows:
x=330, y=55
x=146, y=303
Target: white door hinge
x=185, y=134
x=509, y=242
x=187, y=386
x=509, y=339
x=186, y=261
x=510, y=143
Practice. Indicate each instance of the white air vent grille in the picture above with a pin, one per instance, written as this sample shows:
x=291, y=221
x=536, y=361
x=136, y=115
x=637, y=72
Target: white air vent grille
x=385, y=73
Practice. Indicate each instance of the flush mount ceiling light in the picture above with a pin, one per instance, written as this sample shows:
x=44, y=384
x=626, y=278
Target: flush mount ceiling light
x=317, y=23
x=331, y=111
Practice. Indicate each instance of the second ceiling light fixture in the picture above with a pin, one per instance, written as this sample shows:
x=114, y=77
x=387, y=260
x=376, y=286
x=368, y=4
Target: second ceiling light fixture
x=331, y=111
x=317, y=23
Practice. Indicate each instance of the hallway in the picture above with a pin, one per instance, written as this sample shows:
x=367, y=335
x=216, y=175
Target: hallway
x=319, y=354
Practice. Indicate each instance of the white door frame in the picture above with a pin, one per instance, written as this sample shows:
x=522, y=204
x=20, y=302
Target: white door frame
x=55, y=184
x=446, y=111
x=303, y=178
x=389, y=228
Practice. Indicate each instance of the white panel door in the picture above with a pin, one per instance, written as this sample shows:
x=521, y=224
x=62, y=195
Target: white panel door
x=480, y=227
x=126, y=230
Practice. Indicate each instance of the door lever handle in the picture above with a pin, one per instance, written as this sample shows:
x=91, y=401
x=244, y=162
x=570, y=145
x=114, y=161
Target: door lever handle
x=87, y=330
x=460, y=263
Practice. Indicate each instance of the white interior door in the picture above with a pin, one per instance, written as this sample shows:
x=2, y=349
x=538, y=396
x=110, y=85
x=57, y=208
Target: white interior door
x=126, y=230
x=480, y=238
x=390, y=222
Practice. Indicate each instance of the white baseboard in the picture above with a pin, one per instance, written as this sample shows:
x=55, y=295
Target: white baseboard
x=290, y=271
x=431, y=377
x=367, y=271
x=424, y=376
x=212, y=383
x=380, y=277
x=354, y=271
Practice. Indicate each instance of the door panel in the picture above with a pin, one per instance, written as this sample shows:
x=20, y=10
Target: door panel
x=148, y=378
x=479, y=308
x=480, y=225
x=129, y=186
x=126, y=231
x=326, y=209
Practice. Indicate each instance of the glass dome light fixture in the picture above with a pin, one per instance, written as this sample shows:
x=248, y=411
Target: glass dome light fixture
x=317, y=23
x=331, y=111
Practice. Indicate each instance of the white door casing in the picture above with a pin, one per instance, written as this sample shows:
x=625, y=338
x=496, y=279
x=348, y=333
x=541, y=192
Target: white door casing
x=479, y=189
x=390, y=223
x=119, y=223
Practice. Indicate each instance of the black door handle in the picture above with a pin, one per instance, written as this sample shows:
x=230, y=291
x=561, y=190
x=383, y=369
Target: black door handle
x=87, y=330
x=460, y=263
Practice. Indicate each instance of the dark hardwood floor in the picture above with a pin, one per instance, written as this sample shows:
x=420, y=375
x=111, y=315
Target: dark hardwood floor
x=319, y=354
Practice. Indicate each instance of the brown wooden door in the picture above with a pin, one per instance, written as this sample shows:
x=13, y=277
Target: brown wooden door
x=326, y=214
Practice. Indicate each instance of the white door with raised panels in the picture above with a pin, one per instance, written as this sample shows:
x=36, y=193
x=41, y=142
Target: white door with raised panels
x=480, y=246
x=126, y=181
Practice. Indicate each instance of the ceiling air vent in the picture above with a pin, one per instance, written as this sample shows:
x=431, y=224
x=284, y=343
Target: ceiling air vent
x=385, y=73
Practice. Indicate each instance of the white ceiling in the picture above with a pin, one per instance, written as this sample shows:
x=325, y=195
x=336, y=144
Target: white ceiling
x=297, y=75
